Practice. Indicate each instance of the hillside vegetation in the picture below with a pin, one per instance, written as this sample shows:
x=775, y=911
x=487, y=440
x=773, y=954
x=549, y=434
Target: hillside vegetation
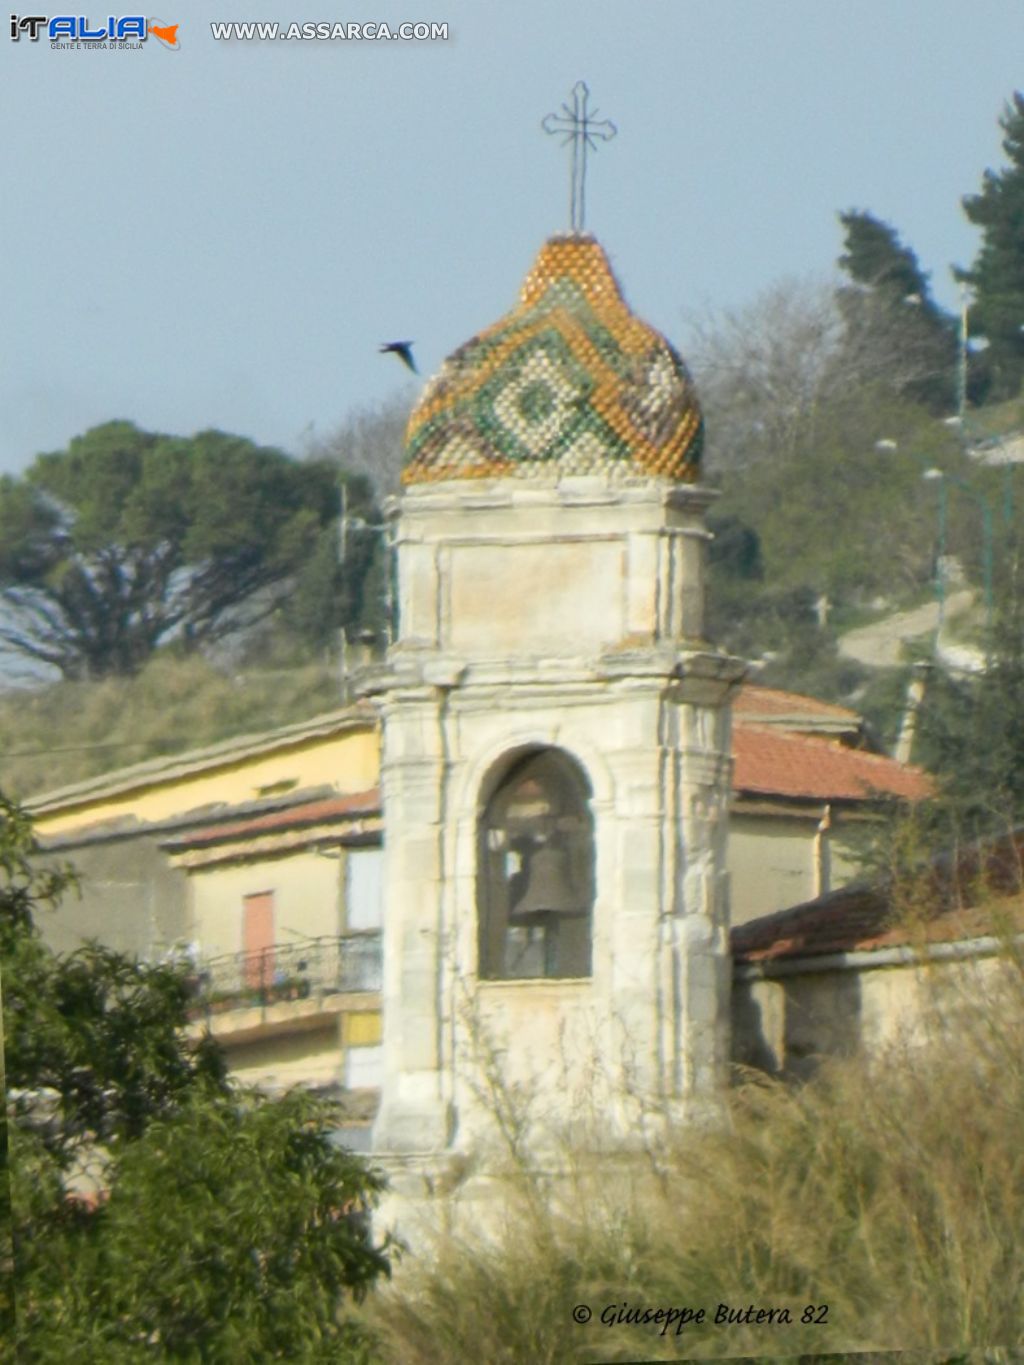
x=809, y=543
x=67, y=731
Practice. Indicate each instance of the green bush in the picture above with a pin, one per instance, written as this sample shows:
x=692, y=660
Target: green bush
x=158, y=1211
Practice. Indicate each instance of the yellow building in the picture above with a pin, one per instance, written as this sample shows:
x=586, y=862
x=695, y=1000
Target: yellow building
x=259, y=860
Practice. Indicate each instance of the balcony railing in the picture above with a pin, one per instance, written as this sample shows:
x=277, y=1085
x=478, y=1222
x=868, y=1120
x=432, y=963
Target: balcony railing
x=288, y=971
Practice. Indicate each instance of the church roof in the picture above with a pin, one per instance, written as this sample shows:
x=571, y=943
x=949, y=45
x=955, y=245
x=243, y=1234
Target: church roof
x=568, y=382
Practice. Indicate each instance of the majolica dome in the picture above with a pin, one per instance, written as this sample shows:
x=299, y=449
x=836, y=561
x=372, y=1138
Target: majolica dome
x=569, y=382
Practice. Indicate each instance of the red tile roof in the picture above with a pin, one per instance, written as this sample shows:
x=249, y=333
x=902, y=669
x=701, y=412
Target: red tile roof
x=752, y=701
x=325, y=811
x=770, y=762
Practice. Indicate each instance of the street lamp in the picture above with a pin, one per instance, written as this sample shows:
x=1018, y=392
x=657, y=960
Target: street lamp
x=986, y=546
x=931, y=475
x=942, y=478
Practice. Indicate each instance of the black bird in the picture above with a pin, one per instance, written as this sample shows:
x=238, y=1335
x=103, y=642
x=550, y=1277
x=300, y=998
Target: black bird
x=402, y=349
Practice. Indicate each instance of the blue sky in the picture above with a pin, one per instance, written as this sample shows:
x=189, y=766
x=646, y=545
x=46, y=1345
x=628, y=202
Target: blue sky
x=222, y=235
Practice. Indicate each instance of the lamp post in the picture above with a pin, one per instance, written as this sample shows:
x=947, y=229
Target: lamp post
x=931, y=475
x=961, y=358
x=386, y=529
x=966, y=428
x=987, y=531
x=942, y=478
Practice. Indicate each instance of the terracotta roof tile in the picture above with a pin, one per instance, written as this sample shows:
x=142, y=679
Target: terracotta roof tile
x=770, y=762
x=752, y=701
x=321, y=812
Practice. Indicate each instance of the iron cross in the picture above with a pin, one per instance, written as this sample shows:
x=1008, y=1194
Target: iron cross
x=581, y=127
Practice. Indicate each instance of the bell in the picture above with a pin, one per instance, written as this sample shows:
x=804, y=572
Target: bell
x=548, y=889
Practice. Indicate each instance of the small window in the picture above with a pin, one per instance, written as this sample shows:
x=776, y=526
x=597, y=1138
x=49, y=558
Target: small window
x=286, y=784
x=364, y=889
x=536, y=861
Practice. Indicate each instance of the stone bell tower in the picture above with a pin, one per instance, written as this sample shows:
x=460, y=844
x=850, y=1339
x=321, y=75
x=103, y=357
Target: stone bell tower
x=556, y=730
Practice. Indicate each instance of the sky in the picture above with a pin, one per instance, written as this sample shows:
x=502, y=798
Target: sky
x=222, y=235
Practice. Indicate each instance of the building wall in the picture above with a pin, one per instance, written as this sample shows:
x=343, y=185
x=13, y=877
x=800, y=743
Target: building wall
x=348, y=762
x=789, y=1024
x=307, y=900
x=130, y=898
x=311, y=1057
x=771, y=862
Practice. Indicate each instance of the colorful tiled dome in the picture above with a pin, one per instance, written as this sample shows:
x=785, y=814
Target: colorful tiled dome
x=569, y=382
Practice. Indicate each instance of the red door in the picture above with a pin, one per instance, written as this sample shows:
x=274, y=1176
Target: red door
x=258, y=939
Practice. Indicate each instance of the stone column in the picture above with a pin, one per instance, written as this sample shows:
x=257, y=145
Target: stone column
x=414, y=1114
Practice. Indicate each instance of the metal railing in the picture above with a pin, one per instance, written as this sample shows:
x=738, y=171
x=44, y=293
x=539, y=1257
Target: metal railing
x=288, y=971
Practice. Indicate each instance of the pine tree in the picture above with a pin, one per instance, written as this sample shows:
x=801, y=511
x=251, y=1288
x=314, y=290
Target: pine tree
x=889, y=311
x=997, y=275
x=875, y=257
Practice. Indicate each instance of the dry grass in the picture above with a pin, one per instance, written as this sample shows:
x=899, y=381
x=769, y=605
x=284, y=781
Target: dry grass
x=51, y=736
x=892, y=1193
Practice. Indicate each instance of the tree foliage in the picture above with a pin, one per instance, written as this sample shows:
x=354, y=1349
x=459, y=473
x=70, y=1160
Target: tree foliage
x=231, y=1233
x=128, y=539
x=369, y=444
x=997, y=275
x=971, y=728
x=158, y=1211
x=814, y=522
x=875, y=257
x=969, y=734
x=888, y=311
x=764, y=373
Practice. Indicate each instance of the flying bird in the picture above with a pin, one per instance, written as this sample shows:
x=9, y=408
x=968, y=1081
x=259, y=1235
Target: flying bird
x=402, y=349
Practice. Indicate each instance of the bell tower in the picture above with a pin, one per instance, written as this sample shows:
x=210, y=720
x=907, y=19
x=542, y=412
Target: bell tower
x=556, y=731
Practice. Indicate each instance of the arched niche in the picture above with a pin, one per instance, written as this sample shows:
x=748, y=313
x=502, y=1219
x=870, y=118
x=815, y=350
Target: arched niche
x=535, y=869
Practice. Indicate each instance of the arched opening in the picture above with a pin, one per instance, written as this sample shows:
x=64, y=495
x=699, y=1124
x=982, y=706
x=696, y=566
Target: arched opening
x=535, y=887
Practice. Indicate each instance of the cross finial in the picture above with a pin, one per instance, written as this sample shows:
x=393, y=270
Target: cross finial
x=579, y=126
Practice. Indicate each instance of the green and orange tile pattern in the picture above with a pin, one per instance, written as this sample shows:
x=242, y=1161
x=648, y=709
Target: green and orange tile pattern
x=569, y=382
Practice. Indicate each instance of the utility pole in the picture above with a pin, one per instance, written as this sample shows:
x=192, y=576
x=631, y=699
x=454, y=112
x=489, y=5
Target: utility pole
x=342, y=549
x=961, y=369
